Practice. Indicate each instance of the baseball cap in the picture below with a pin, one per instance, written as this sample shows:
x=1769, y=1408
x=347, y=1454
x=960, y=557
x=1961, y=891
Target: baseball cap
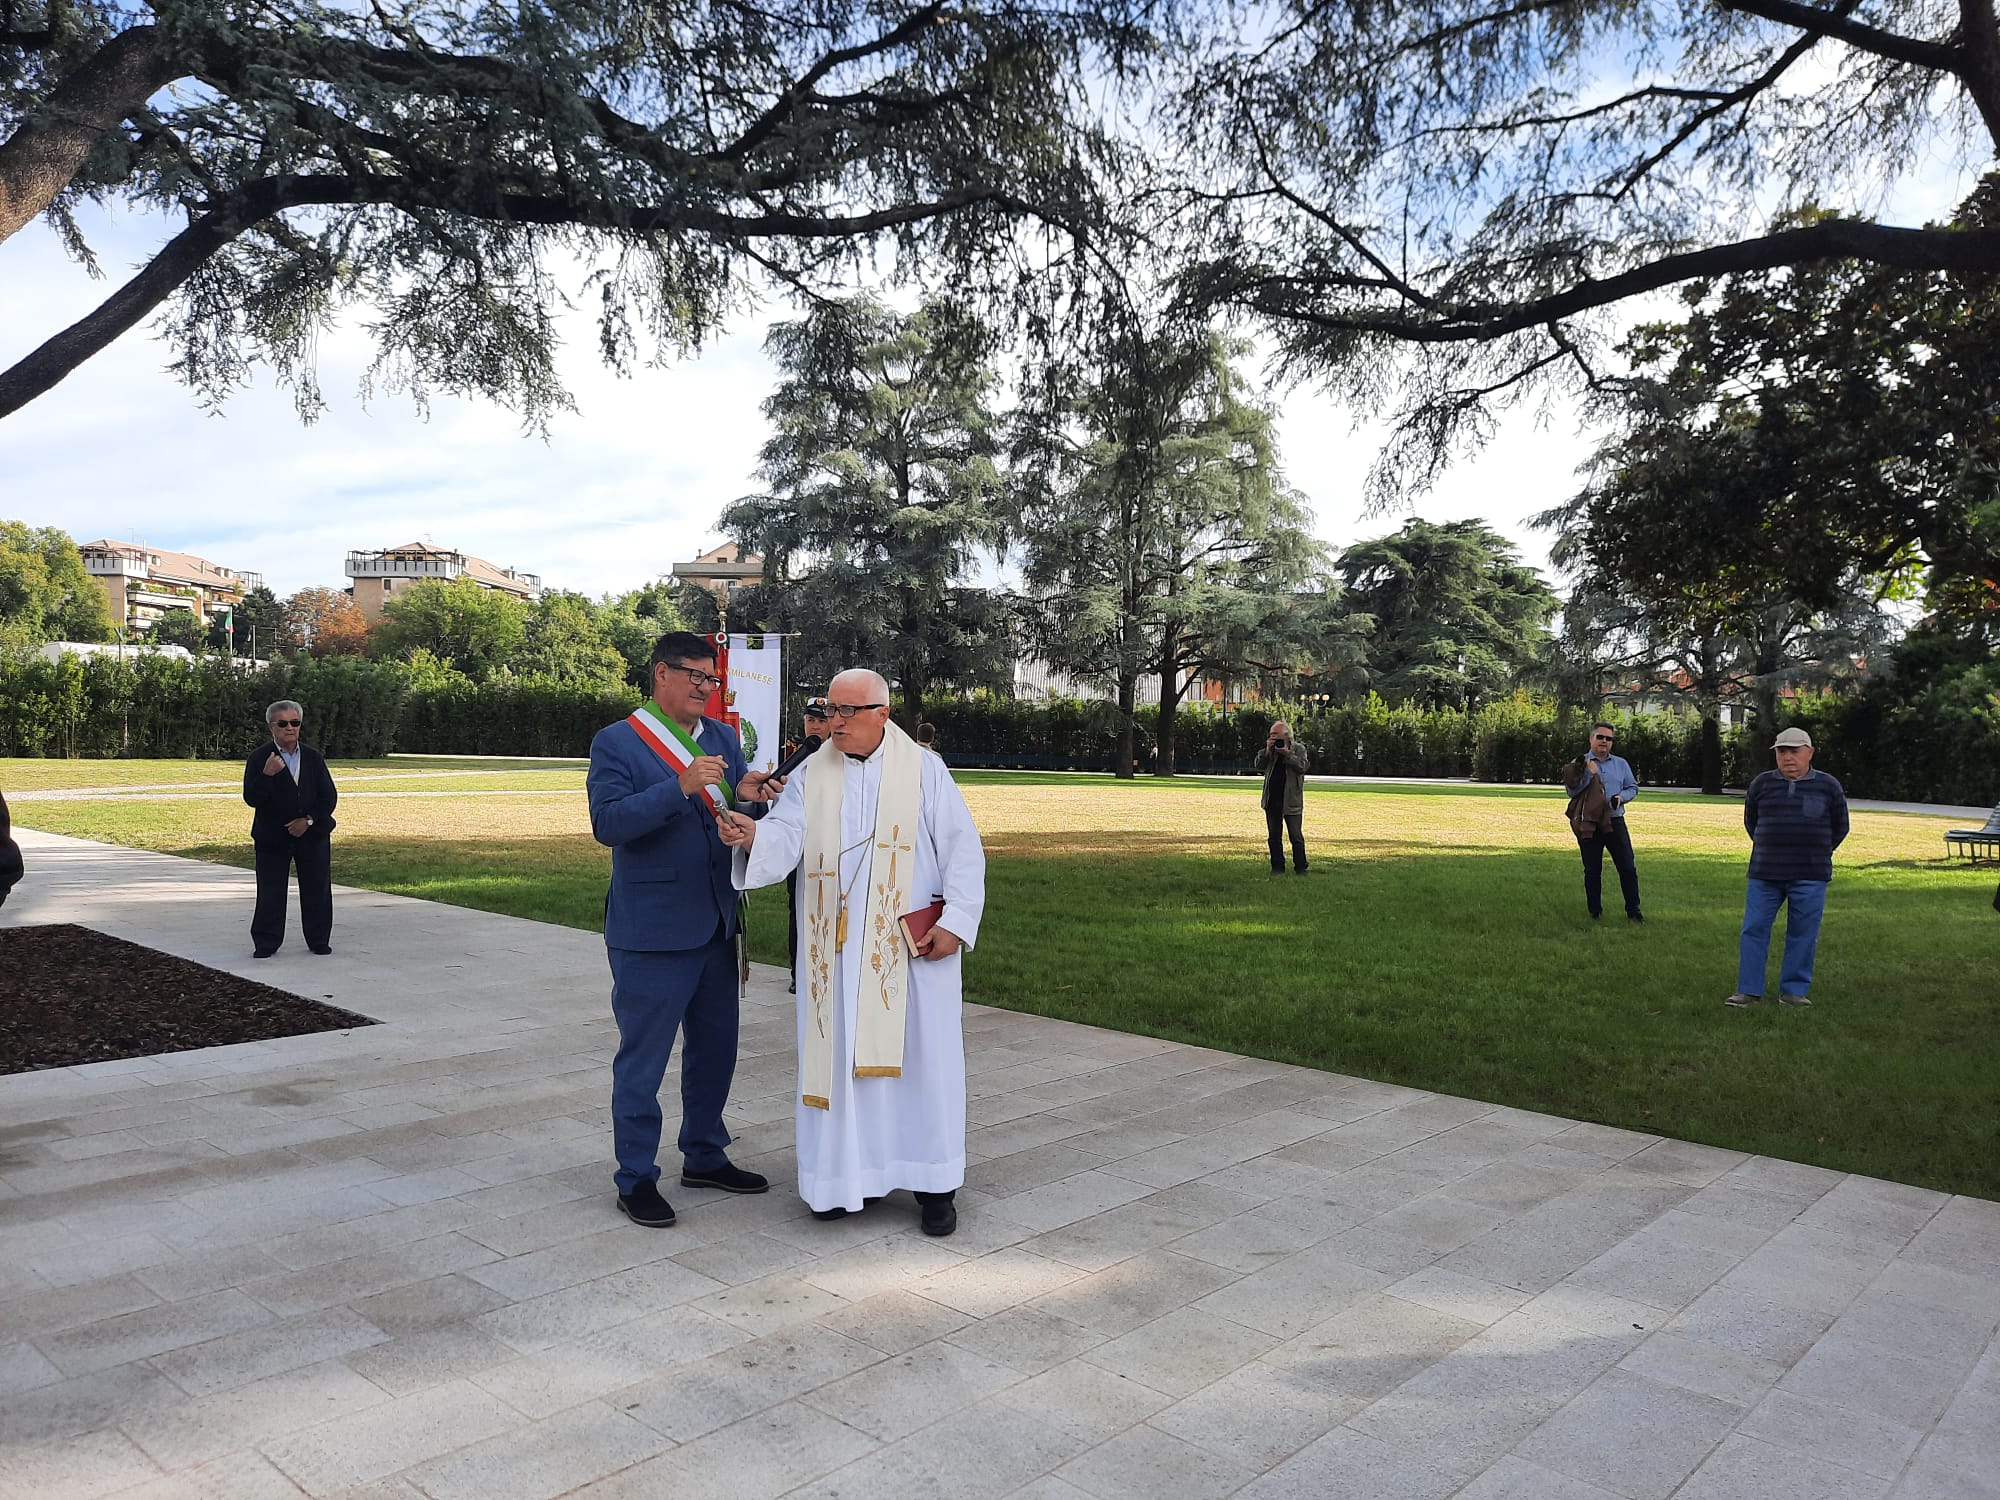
x=1791, y=738
x=816, y=708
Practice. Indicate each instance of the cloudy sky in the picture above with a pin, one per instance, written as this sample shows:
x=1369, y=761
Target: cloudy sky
x=630, y=483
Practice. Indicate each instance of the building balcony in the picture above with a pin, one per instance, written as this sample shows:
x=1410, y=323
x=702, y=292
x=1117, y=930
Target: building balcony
x=387, y=565
x=113, y=565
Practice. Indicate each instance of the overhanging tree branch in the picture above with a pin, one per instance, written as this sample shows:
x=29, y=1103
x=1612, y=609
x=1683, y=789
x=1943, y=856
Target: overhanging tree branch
x=263, y=200
x=1858, y=34
x=1291, y=298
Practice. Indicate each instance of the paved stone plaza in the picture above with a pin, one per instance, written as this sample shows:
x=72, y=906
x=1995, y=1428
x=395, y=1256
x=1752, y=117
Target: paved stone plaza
x=388, y=1263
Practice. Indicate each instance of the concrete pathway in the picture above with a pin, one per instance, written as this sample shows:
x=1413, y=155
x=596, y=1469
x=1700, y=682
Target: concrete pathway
x=386, y=1264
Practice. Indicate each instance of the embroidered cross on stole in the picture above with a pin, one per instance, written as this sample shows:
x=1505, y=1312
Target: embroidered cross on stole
x=882, y=965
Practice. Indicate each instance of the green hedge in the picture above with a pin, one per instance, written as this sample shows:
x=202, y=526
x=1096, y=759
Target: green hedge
x=1925, y=741
x=1519, y=740
x=160, y=707
x=508, y=716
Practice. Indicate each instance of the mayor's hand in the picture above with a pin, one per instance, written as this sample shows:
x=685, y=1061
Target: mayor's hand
x=273, y=763
x=705, y=770
x=759, y=786
x=1590, y=765
x=735, y=830
x=939, y=942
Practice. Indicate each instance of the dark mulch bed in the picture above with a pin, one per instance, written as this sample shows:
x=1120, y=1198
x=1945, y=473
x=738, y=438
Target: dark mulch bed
x=69, y=995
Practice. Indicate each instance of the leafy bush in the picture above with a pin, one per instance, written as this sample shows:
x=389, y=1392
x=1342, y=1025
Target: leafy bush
x=1929, y=732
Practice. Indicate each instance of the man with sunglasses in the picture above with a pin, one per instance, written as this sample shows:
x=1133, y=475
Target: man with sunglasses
x=292, y=794
x=1598, y=770
x=657, y=783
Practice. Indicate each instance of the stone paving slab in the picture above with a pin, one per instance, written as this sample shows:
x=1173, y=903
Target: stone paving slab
x=387, y=1262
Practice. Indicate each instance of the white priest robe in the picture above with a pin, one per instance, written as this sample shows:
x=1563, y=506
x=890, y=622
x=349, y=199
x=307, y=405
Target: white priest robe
x=880, y=1134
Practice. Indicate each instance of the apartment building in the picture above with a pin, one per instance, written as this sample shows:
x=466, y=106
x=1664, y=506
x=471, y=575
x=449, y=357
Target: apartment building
x=380, y=576
x=141, y=583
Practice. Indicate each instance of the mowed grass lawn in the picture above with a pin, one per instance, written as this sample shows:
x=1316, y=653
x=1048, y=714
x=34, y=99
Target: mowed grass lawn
x=1440, y=940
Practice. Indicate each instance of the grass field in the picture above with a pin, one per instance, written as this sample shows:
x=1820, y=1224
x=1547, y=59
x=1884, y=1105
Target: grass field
x=1440, y=940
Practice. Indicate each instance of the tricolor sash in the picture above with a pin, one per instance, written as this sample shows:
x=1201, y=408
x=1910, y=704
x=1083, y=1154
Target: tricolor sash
x=676, y=747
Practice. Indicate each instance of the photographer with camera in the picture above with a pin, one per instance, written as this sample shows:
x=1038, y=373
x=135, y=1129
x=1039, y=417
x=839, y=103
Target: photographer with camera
x=1283, y=762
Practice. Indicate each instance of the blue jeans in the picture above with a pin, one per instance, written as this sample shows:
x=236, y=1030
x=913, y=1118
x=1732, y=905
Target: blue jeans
x=653, y=996
x=1807, y=900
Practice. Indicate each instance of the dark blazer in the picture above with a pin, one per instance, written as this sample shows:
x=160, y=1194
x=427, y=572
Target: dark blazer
x=278, y=799
x=10, y=854
x=669, y=870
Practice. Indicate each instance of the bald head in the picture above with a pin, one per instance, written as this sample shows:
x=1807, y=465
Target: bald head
x=859, y=701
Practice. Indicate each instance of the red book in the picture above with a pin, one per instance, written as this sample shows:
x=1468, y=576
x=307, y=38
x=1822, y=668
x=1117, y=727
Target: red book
x=917, y=923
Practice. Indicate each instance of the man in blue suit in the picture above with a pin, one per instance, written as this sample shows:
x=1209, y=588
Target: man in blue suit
x=670, y=921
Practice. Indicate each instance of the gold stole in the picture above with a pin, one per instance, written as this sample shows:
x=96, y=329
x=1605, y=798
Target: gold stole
x=887, y=873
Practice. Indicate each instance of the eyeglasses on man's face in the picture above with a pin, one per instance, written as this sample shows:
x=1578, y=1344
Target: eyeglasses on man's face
x=849, y=710
x=286, y=723
x=698, y=679
x=1603, y=739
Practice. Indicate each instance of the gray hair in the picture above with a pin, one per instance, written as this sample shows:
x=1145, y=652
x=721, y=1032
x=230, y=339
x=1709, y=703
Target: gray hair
x=877, y=685
x=279, y=707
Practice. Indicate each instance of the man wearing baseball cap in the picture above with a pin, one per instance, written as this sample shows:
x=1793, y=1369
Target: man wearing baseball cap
x=1796, y=817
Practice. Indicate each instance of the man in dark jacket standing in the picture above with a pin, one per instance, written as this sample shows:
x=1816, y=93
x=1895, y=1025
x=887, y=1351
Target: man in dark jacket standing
x=1283, y=762
x=10, y=855
x=1796, y=817
x=289, y=786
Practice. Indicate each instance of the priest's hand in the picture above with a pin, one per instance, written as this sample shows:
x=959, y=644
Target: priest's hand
x=735, y=830
x=704, y=770
x=759, y=786
x=939, y=942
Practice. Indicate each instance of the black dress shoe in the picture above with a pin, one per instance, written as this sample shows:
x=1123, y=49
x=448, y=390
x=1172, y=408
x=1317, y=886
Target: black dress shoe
x=824, y=1214
x=263, y=952
x=1633, y=916
x=644, y=1206
x=940, y=1214
x=322, y=951
x=729, y=1179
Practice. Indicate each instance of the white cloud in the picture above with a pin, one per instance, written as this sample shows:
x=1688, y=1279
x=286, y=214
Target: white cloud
x=624, y=487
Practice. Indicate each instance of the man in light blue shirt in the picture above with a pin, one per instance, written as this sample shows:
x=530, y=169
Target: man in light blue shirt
x=1619, y=786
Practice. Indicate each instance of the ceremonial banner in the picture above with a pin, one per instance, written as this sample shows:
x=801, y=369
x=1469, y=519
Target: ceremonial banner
x=749, y=701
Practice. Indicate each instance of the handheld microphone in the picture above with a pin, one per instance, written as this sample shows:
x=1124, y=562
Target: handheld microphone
x=797, y=758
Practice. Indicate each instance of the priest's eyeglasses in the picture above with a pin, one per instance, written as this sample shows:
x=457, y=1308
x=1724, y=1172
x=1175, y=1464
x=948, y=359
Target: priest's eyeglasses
x=849, y=710
x=700, y=680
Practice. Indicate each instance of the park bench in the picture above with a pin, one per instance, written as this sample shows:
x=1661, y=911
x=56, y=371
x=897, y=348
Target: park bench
x=1975, y=843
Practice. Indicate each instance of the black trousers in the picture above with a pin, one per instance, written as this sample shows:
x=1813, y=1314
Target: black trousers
x=314, y=858
x=1277, y=824
x=1614, y=837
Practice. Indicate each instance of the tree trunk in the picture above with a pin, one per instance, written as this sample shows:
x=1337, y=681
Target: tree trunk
x=912, y=677
x=1170, y=702
x=1711, y=751
x=1128, y=707
x=43, y=156
x=914, y=681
